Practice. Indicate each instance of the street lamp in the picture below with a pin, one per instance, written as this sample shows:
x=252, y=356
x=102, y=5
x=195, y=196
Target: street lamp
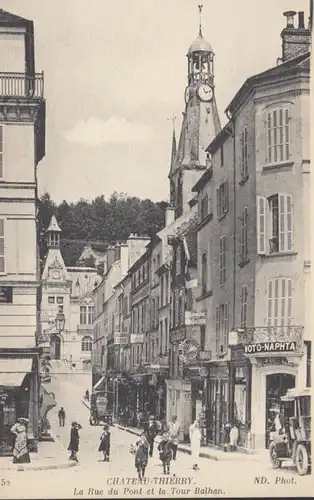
x=60, y=321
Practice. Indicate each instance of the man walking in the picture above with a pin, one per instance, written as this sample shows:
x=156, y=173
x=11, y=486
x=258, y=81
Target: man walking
x=174, y=433
x=61, y=417
x=151, y=433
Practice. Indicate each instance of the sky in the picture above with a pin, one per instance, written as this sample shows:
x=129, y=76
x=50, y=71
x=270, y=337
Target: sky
x=115, y=74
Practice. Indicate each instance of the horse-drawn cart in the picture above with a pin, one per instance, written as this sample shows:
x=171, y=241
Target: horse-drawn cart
x=100, y=409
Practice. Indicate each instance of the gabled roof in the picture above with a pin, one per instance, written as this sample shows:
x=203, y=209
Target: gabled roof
x=8, y=19
x=287, y=68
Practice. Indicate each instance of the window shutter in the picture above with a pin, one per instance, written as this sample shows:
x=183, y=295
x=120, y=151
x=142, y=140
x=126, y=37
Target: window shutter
x=217, y=329
x=261, y=225
x=2, y=263
x=1, y=151
x=285, y=222
x=217, y=202
x=226, y=326
x=226, y=204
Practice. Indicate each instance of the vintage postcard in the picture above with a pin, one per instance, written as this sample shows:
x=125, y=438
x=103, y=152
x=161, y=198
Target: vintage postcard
x=156, y=213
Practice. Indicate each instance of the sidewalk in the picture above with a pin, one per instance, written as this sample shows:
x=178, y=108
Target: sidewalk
x=50, y=455
x=209, y=452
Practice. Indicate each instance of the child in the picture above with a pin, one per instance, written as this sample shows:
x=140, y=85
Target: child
x=165, y=452
x=141, y=455
x=105, y=443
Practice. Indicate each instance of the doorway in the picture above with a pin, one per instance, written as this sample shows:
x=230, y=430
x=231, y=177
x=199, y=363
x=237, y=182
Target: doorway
x=55, y=347
x=277, y=385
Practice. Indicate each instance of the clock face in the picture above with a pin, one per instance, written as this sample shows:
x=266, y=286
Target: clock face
x=205, y=92
x=56, y=275
x=187, y=94
x=188, y=350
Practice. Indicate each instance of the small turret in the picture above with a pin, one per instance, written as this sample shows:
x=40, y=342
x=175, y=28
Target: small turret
x=53, y=233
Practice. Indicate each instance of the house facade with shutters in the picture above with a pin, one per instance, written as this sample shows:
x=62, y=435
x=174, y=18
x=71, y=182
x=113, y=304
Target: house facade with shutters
x=22, y=123
x=260, y=254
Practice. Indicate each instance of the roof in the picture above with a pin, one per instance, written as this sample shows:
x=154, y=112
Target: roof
x=282, y=70
x=200, y=44
x=53, y=226
x=203, y=180
x=221, y=137
x=8, y=19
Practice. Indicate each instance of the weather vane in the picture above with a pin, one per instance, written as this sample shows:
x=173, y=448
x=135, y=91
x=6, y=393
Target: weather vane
x=173, y=119
x=200, y=8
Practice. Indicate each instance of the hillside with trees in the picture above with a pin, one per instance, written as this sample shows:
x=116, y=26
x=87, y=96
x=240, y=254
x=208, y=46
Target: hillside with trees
x=100, y=221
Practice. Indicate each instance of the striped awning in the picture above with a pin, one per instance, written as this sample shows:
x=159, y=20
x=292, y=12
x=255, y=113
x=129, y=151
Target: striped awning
x=13, y=371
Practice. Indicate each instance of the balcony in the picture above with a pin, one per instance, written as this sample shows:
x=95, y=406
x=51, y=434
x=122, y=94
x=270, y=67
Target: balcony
x=21, y=85
x=268, y=339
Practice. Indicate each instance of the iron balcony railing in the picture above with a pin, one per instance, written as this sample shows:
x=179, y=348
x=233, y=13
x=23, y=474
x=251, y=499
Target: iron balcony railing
x=268, y=338
x=22, y=85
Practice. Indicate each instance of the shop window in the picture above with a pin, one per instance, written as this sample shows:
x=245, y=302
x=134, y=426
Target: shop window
x=51, y=300
x=87, y=344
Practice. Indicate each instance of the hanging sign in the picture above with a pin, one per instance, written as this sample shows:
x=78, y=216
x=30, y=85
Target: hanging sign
x=263, y=347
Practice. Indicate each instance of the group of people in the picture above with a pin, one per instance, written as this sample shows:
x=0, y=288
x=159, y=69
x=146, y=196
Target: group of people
x=167, y=447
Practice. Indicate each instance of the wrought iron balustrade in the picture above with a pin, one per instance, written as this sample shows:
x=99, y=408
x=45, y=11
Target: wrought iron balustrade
x=22, y=85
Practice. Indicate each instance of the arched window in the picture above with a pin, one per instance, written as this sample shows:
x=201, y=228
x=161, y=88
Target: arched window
x=87, y=344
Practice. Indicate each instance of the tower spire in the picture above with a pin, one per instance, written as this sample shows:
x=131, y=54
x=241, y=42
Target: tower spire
x=200, y=8
x=174, y=143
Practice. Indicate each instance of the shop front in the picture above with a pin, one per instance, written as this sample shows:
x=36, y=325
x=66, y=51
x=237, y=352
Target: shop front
x=19, y=396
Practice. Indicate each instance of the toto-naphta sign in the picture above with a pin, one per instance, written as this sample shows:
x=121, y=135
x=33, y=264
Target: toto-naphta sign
x=270, y=347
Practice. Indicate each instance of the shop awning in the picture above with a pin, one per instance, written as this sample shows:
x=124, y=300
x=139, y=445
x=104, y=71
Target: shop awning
x=98, y=384
x=13, y=371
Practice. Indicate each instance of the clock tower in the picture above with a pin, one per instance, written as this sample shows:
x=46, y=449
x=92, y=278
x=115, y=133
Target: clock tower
x=200, y=124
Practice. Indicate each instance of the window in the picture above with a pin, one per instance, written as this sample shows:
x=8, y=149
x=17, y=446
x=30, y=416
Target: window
x=204, y=206
x=1, y=151
x=222, y=155
x=244, y=154
x=60, y=309
x=167, y=288
x=204, y=273
x=59, y=300
x=178, y=260
x=51, y=300
x=274, y=224
x=308, y=346
x=166, y=336
x=158, y=261
x=161, y=334
x=222, y=199
x=83, y=315
x=278, y=136
x=279, y=310
x=202, y=338
x=244, y=248
x=2, y=263
x=162, y=291
x=90, y=315
x=87, y=344
x=222, y=328
x=181, y=307
x=243, y=299
x=222, y=260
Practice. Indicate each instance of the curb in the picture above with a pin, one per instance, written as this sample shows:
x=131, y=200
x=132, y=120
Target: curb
x=40, y=467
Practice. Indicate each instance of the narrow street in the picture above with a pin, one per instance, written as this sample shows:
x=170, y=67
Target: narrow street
x=221, y=478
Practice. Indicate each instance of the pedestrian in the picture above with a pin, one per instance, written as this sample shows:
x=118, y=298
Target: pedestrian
x=105, y=443
x=234, y=436
x=151, y=433
x=174, y=433
x=74, y=441
x=87, y=395
x=141, y=455
x=165, y=452
x=195, y=440
x=61, y=417
x=20, y=450
x=227, y=430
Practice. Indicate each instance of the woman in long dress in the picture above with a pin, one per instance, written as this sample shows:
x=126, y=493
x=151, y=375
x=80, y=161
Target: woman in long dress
x=195, y=440
x=74, y=441
x=105, y=443
x=20, y=451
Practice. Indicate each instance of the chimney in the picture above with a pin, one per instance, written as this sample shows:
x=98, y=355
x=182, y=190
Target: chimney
x=169, y=216
x=295, y=39
x=117, y=252
x=110, y=256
